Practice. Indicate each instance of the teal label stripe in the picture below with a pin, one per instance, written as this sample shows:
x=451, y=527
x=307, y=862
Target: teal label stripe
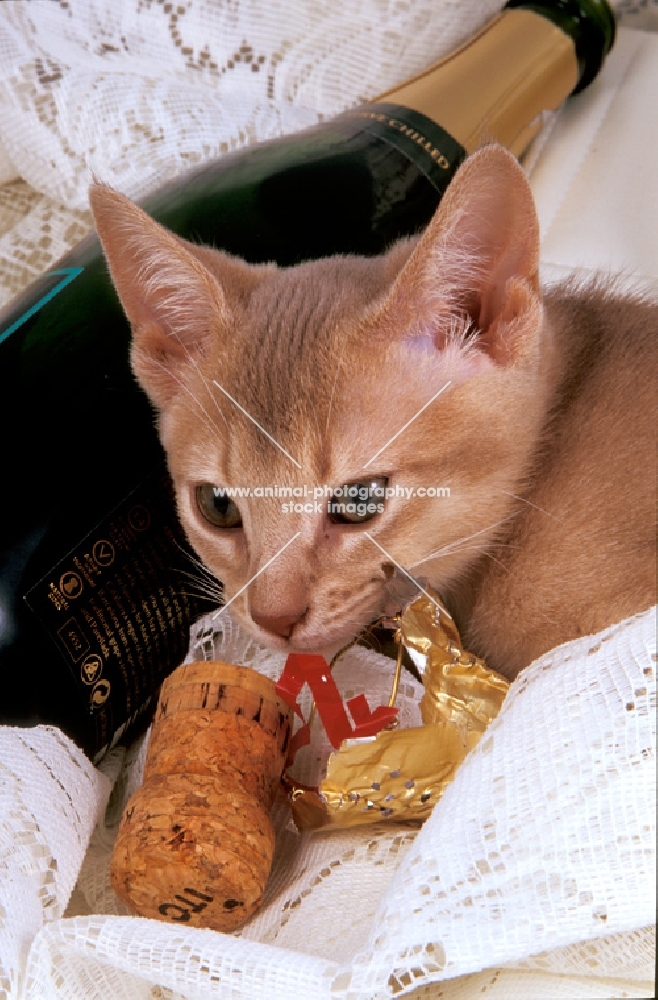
x=69, y=274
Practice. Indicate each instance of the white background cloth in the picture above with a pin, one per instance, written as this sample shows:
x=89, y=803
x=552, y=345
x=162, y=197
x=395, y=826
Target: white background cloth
x=535, y=875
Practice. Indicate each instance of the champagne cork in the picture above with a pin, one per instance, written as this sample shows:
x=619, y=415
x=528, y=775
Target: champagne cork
x=196, y=841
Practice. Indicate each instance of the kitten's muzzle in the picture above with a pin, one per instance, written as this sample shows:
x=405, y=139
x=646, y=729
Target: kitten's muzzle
x=279, y=625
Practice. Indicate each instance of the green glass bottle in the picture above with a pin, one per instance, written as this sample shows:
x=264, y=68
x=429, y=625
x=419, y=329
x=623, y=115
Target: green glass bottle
x=95, y=597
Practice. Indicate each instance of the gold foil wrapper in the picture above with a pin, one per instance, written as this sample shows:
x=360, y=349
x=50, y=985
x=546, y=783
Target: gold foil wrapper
x=459, y=688
x=400, y=774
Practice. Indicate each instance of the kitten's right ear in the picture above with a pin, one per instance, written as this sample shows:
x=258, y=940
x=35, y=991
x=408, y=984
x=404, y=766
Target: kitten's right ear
x=475, y=269
x=172, y=301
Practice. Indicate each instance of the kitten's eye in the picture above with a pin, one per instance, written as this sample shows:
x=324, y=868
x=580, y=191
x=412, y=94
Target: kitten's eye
x=357, y=502
x=216, y=508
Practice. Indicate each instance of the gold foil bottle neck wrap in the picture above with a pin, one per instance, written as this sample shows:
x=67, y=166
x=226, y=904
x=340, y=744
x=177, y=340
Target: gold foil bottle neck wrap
x=400, y=774
x=498, y=85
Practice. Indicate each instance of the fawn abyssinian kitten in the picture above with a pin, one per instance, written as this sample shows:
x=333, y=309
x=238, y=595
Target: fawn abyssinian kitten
x=544, y=436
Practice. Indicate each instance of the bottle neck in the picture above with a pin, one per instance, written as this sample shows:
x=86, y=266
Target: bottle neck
x=496, y=86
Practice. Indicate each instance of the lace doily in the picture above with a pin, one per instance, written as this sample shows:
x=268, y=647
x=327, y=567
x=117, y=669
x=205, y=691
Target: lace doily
x=539, y=859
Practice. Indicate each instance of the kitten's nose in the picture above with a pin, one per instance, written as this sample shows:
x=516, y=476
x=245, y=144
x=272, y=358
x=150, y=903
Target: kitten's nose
x=281, y=625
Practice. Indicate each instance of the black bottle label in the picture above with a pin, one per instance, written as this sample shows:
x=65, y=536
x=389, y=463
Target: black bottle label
x=118, y=608
x=429, y=147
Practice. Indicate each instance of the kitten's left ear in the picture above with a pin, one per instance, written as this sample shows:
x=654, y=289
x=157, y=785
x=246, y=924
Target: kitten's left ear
x=479, y=256
x=172, y=301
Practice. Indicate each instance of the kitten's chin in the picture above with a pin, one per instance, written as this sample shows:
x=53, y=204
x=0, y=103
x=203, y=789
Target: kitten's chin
x=326, y=644
x=328, y=639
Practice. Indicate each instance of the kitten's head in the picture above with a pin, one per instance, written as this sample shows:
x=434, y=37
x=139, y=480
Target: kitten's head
x=414, y=370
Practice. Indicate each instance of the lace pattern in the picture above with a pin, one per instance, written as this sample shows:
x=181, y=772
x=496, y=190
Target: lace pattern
x=539, y=859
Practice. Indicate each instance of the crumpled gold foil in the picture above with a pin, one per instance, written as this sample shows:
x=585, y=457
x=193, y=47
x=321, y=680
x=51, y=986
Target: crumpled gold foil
x=459, y=688
x=400, y=774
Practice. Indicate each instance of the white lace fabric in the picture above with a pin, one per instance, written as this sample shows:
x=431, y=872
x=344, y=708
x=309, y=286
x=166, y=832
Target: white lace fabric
x=538, y=861
x=535, y=875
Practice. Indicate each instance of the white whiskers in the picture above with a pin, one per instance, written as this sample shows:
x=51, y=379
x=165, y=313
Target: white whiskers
x=531, y=504
x=203, y=378
x=209, y=422
x=452, y=547
x=203, y=579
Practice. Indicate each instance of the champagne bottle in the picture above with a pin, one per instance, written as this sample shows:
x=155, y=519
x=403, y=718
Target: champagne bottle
x=95, y=593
